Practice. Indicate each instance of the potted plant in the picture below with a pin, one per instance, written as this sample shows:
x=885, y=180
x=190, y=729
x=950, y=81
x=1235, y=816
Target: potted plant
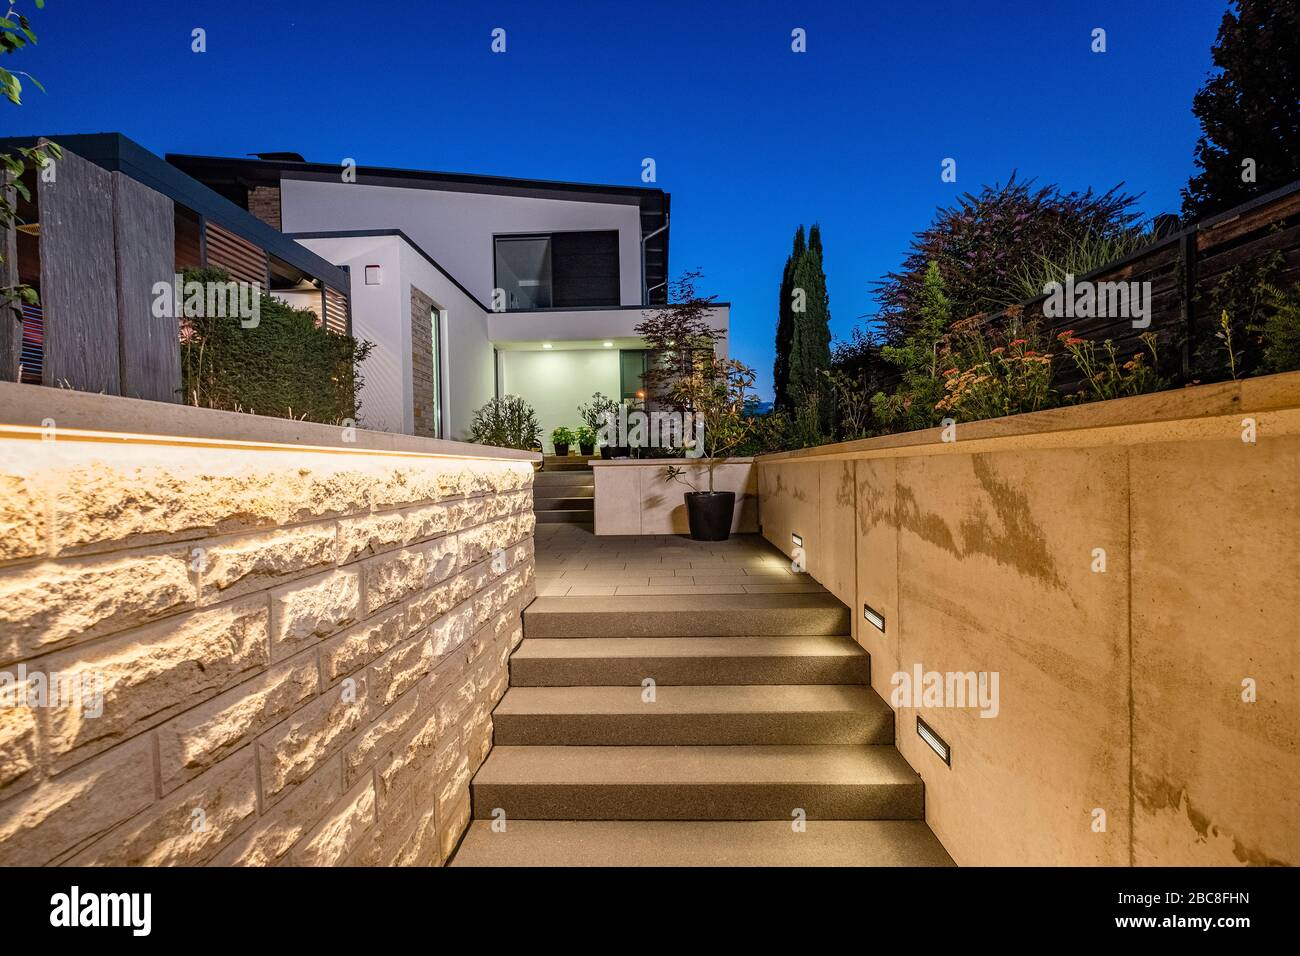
x=716, y=392
x=601, y=416
x=561, y=438
x=586, y=438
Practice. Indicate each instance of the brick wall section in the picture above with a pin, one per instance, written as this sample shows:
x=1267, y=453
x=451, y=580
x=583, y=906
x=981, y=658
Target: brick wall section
x=300, y=651
x=264, y=203
x=422, y=365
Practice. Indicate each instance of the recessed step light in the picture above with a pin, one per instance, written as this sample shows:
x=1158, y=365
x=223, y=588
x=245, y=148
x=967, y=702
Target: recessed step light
x=875, y=617
x=937, y=743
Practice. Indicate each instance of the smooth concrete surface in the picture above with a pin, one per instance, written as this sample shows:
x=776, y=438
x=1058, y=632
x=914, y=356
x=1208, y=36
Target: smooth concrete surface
x=701, y=843
x=1127, y=570
x=633, y=496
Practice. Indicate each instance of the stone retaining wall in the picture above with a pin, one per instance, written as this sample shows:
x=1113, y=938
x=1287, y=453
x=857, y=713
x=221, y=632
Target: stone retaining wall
x=298, y=648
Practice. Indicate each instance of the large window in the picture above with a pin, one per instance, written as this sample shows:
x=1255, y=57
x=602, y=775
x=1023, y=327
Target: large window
x=563, y=270
x=632, y=369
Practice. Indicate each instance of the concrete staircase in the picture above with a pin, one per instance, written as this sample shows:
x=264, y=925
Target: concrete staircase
x=761, y=715
x=564, y=492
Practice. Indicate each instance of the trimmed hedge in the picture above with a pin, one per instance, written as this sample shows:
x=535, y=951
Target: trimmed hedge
x=286, y=366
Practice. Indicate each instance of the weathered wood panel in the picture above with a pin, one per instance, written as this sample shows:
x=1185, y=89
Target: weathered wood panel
x=79, y=277
x=149, y=347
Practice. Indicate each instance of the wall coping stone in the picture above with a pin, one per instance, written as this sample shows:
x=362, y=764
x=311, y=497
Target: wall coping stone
x=87, y=416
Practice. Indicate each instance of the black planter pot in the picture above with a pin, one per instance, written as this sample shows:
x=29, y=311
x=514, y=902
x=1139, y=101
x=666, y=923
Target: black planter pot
x=607, y=452
x=709, y=514
x=562, y=451
x=587, y=450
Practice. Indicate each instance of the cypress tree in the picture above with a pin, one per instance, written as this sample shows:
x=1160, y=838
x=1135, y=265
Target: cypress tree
x=785, y=326
x=810, y=342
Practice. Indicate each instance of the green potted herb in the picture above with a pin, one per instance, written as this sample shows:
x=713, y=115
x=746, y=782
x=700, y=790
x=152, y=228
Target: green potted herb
x=561, y=438
x=586, y=438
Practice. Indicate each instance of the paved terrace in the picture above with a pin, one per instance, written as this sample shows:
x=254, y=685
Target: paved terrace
x=573, y=562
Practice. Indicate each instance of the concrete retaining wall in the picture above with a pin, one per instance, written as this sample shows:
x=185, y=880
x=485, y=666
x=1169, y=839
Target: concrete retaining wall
x=632, y=496
x=1128, y=569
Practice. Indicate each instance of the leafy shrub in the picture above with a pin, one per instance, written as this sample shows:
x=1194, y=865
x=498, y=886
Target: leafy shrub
x=586, y=436
x=287, y=365
x=561, y=436
x=1280, y=329
x=596, y=412
x=506, y=422
x=912, y=404
x=984, y=241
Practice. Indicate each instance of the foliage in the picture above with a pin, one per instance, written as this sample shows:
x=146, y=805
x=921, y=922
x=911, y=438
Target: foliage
x=562, y=436
x=679, y=337
x=1280, y=329
x=506, y=422
x=585, y=436
x=1241, y=295
x=16, y=34
x=1103, y=374
x=596, y=413
x=1010, y=378
x=1250, y=110
x=287, y=365
x=1085, y=255
x=851, y=400
x=986, y=239
x=785, y=323
x=810, y=340
x=912, y=405
x=717, y=392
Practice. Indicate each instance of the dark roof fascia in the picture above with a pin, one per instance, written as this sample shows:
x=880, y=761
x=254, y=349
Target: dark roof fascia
x=117, y=153
x=273, y=170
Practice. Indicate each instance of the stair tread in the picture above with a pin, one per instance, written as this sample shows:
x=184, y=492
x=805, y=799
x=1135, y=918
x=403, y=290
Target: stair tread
x=702, y=700
x=701, y=843
x=808, y=766
x=806, y=612
x=598, y=648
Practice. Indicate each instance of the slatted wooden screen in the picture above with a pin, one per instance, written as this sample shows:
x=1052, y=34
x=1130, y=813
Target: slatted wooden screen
x=244, y=261
x=336, y=312
x=33, y=348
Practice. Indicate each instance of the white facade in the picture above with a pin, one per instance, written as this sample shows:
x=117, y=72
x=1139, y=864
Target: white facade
x=554, y=358
x=457, y=228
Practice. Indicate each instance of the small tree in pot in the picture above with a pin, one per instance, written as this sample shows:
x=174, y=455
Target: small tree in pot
x=601, y=416
x=716, y=392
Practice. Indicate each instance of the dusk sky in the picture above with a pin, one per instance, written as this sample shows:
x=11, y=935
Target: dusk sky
x=750, y=138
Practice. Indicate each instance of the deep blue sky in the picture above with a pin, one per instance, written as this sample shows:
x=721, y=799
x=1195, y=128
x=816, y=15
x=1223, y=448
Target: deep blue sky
x=750, y=138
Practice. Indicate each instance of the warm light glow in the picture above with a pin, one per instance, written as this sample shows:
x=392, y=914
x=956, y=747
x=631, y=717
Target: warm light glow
x=547, y=345
x=608, y=345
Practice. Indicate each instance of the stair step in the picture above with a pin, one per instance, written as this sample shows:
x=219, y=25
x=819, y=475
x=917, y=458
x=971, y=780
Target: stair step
x=565, y=516
x=701, y=843
x=685, y=615
x=564, y=504
x=569, y=477
x=837, y=782
x=561, y=662
x=715, y=716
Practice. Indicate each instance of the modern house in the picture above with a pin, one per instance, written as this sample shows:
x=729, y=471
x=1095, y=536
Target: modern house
x=472, y=286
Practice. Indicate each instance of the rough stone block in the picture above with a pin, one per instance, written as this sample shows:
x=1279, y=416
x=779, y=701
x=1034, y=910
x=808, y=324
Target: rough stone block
x=307, y=611
x=256, y=562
